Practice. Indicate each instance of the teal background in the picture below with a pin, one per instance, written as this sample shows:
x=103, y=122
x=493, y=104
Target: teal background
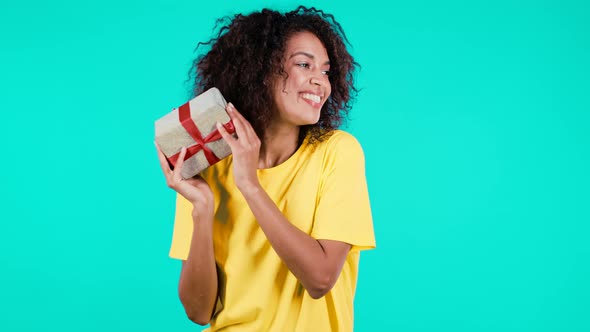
x=474, y=117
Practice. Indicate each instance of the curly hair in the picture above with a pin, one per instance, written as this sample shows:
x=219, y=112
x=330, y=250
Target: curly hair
x=247, y=56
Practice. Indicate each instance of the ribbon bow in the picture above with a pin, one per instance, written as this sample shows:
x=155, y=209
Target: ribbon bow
x=184, y=115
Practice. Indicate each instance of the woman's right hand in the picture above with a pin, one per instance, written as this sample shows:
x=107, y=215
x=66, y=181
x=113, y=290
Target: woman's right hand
x=195, y=190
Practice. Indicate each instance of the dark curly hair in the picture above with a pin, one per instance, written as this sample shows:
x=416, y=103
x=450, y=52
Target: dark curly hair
x=247, y=56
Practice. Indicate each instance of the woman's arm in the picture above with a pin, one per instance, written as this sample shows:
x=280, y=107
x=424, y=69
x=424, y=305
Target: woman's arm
x=197, y=287
x=316, y=263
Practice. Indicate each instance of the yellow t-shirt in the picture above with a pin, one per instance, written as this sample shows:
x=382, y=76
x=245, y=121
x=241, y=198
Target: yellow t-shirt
x=322, y=190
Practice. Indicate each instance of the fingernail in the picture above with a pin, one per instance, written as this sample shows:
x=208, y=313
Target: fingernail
x=231, y=106
x=183, y=149
x=218, y=124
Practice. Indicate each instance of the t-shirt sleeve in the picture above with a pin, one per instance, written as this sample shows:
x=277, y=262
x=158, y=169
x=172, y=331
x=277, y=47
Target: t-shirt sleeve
x=183, y=229
x=343, y=212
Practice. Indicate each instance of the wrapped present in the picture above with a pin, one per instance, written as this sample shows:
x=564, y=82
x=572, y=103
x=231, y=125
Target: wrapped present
x=192, y=125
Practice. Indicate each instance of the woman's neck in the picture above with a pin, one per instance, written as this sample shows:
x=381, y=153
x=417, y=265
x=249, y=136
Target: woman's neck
x=278, y=144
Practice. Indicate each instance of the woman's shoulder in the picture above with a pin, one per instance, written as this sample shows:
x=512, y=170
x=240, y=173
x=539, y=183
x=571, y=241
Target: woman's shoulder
x=340, y=141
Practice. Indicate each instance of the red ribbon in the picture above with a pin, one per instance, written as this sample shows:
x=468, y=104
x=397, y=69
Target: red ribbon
x=184, y=115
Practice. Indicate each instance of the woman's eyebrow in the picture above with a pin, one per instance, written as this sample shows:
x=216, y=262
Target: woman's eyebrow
x=311, y=56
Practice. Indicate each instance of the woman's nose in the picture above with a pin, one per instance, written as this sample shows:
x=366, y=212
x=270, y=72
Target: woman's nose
x=316, y=79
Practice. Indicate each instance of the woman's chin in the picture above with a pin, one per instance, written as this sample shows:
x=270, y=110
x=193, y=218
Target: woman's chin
x=310, y=122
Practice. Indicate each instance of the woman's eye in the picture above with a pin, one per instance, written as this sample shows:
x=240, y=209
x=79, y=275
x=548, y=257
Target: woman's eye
x=304, y=65
x=326, y=72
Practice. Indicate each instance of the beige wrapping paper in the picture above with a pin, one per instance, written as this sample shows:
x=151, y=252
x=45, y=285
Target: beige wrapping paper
x=205, y=110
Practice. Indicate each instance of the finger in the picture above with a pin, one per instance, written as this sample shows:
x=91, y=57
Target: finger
x=163, y=162
x=237, y=121
x=231, y=141
x=243, y=127
x=179, y=163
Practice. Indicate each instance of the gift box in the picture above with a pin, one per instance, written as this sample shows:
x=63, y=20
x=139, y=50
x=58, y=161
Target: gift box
x=193, y=125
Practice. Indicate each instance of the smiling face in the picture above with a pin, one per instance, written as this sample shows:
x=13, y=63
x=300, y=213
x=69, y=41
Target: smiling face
x=300, y=97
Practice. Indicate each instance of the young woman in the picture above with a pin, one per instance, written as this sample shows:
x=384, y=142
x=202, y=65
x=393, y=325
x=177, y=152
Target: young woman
x=270, y=237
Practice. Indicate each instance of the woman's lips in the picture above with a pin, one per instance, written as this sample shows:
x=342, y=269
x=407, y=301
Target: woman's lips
x=312, y=99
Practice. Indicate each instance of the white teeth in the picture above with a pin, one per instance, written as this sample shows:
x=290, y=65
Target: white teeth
x=309, y=96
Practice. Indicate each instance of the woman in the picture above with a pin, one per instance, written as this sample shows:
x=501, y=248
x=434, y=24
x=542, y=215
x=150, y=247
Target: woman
x=269, y=237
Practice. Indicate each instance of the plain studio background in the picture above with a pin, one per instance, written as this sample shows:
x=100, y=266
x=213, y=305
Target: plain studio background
x=474, y=117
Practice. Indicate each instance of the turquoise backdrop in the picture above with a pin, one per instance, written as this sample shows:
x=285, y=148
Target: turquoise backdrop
x=474, y=117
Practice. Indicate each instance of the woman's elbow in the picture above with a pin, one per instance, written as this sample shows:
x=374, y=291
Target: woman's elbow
x=318, y=293
x=197, y=317
x=194, y=312
x=321, y=286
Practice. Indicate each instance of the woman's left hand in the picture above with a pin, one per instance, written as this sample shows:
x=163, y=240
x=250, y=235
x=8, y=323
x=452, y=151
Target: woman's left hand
x=245, y=150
